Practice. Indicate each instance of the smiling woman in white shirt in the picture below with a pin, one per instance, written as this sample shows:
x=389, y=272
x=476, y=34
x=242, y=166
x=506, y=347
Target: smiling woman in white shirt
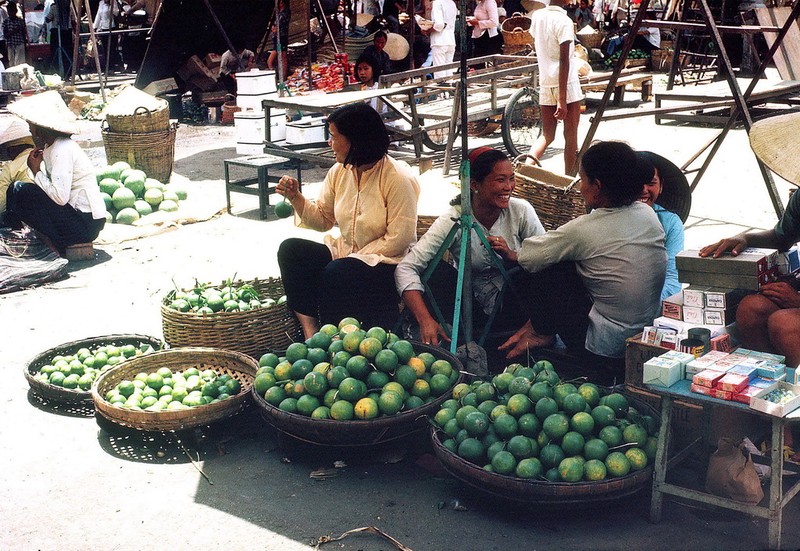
x=63, y=204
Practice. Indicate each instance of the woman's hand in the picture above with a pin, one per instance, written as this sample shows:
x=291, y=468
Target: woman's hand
x=500, y=246
x=431, y=332
x=35, y=159
x=782, y=294
x=524, y=340
x=288, y=187
x=472, y=20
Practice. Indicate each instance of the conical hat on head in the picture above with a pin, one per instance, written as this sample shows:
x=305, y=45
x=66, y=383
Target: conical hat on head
x=396, y=46
x=46, y=110
x=676, y=196
x=775, y=142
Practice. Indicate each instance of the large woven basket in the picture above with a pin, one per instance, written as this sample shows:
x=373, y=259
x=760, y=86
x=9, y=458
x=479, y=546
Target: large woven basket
x=76, y=396
x=152, y=152
x=593, y=40
x=252, y=332
x=330, y=432
x=516, y=30
x=555, y=197
x=224, y=362
x=141, y=120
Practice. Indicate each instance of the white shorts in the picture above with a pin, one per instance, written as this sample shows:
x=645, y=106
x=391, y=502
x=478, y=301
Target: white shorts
x=548, y=95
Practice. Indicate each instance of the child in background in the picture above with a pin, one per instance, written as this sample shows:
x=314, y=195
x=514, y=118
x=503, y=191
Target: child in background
x=368, y=70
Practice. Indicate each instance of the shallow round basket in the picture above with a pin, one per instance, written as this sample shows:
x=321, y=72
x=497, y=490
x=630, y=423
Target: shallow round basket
x=225, y=362
x=541, y=491
x=141, y=120
x=252, y=332
x=77, y=396
x=330, y=432
x=594, y=40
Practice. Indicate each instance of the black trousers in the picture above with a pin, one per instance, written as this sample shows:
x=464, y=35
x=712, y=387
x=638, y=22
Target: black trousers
x=318, y=286
x=64, y=225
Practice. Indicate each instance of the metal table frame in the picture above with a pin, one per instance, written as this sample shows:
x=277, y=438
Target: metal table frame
x=777, y=497
x=261, y=163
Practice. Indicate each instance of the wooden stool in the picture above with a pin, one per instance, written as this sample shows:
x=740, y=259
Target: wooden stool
x=260, y=184
x=80, y=251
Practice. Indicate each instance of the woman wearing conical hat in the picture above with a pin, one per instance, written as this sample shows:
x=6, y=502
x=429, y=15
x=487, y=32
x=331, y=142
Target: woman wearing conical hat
x=63, y=203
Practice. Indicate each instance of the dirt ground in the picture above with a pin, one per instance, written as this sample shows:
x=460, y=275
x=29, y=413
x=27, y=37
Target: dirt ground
x=68, y=484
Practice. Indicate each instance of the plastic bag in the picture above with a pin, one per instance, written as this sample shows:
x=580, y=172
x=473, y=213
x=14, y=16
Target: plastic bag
x=731, y=473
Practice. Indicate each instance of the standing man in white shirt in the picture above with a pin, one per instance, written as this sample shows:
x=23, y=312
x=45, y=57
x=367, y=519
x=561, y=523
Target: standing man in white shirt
x=560, y=92
x=443, y=35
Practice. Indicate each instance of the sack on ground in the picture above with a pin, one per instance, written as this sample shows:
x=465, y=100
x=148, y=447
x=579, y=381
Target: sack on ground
x=731, y=473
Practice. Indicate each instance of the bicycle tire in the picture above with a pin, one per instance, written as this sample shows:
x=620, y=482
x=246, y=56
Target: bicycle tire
x=522, y=121
x=436, y=139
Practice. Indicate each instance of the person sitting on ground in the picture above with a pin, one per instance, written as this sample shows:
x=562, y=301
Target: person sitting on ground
x=769, y=320
x=506, y=221
x=596, y=280
x=583, y=15
x=368, y=69
x=63, y=204
x=17, y=143
x=234, y=62
x=373, y=200
x=376, y=50
x=670, y=222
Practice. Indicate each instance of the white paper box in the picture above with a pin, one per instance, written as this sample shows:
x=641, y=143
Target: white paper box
x=306, y=130
x=250, y=126
x=758, y=402
x=256, y=82
x=662, y=371
x=252, y=102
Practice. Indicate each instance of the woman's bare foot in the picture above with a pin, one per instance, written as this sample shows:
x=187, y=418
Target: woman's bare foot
x=525, y=339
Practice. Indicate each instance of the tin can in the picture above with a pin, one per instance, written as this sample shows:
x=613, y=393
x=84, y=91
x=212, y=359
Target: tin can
x=692, y=346
x=702, y=334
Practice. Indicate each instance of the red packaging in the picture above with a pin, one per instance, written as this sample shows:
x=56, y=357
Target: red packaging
x=745, y=395
x=707, y=378
x=701, y=389
x=733, y=382
x=721, y=343
x=721, y=394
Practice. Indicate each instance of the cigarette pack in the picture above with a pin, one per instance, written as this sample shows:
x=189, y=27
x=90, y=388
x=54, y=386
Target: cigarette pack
x=721, y=343
x=731, y=360
x=733, y=382
x=708, y=378
x=760, y=383
x=774, y=358
x=717, y=297
x=682, y=357
x=693, y=315
x=713, y=316
x=694, y=296
x=662, y=371
x=744, y=370
x=721, y=394
x=746, y=395
x=771, y=371
x=749, y=262
x=672, y=307
x=700, y=389
x=789, y=262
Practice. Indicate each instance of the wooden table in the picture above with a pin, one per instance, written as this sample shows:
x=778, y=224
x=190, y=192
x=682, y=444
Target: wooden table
x=777, y=498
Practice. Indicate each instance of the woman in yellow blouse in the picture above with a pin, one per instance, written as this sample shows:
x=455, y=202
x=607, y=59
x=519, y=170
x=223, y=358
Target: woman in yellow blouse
x=373, y=200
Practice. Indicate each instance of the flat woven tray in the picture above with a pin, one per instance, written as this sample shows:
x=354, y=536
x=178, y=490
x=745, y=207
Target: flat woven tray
x=77, y=396
x=536, y=491
x=225, y=362
x=252, y=332
x=330, y=432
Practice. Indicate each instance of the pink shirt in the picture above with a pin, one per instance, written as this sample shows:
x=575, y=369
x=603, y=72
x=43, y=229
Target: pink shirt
x=488, y=19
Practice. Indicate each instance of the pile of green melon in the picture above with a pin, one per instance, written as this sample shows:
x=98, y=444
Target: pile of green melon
x=129, y=194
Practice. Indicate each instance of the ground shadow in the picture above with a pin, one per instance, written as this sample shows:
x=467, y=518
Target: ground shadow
x=100, y=256
x=67, y=409
x=205, y=165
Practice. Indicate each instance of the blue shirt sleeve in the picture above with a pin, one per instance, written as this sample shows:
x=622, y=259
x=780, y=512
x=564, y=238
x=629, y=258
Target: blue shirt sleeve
x=673, y=242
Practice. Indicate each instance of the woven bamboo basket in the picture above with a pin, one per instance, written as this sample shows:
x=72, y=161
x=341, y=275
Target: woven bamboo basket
x=541, y=491
x=637, y=62
x=77, y=396
x=152, y=152
x=555, y=197
x=424, y=223
x=224, y=362
x=252, y=332
x=228, y=110
x=516, y=30
x=141, y=120
x=594, y=40
x=330, y=432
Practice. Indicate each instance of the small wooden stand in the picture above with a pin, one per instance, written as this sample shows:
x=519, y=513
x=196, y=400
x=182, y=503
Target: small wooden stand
x=80, y=251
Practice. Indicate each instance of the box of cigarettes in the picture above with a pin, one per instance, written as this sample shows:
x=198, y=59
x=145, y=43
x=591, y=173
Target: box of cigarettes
x=720, y=298
x=771, y=371
x=746, y=395
x=721, y=394
x=760, y=383
x=732, y=281
x=669, y=339
x=693, y=315
x=700, y=389
x=744, y=370
x=721, y=343
x=698, y=365
x=672, y=307
x=749, y=262
x=682, y=328
x=730, y=360
x=683, y=357
x=789, y=262
x=694, y=296
x=733, y=382
x=774, y=358
x=778, y=399
x=713, y=316
x=662, y=371
x=708, y=378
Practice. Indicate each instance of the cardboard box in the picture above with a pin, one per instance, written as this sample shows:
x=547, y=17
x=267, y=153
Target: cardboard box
x=195, y=67
x=201, y=83
x=750, y=262
x=700, y=389
x=672, y=307
x=721, y=394
x=732, y=281
x=733, y=382
x=746, y=371
x=746, y=395
x=760, y=402
x=789, y=262
x=662, y=371
x=694, y=296
x=636, y=353
x=212, y=61
x=161, y=86
x=713, y=316
x=693, y=315
x=708, y=378
x=682, y=328
x=683, y=357
x=774, y=358
x=721, y=343
x=720, y=298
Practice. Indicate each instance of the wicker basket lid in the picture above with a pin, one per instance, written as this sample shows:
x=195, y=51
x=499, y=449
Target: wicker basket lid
x=675, y=193
x=774, y=141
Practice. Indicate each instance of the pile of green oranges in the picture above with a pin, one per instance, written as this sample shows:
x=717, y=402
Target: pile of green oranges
x=206, y=299
x=79, y=369
x=528, y=423
x=347, y=373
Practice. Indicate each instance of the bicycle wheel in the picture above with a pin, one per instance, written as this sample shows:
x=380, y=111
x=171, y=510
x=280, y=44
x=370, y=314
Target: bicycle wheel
x=522, y=121
x=436, y=138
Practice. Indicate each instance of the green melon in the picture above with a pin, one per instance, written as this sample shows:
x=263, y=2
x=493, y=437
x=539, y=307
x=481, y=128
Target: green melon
x=179, y=190
x=152, y=183
x=131, y=172
x=127, y=216
x=153, y=196
x=107, y=200
x=123, y=198
x=135, y=183
x=170, y=195
x=142, y=207
x=109, y=185
x=168, y=206
x=109, y=218
x=107, y=172
x=119, y=166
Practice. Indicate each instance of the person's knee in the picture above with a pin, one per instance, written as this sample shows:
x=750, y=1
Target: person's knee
x=784, y=327
x=754, y=310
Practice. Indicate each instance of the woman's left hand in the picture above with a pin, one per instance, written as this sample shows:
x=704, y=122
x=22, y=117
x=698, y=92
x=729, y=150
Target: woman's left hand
x=500, y=246
x=35, y=159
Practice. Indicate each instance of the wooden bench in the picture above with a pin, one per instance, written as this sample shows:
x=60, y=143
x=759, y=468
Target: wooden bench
x=598, y=82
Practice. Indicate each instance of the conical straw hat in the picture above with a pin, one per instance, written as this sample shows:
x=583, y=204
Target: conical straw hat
x=46, y=110
x=676, y=196
x=775, y=142
x=396, y=46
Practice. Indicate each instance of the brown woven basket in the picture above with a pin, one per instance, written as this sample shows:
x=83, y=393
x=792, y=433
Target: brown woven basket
x=69, y=395
x=252, y=332
x=516, y=30
x=224, y=362
x=594, y=40
x=330, y=432
x=142, y=120
x=540, y=491
x=555, y=197
x=152, y=152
